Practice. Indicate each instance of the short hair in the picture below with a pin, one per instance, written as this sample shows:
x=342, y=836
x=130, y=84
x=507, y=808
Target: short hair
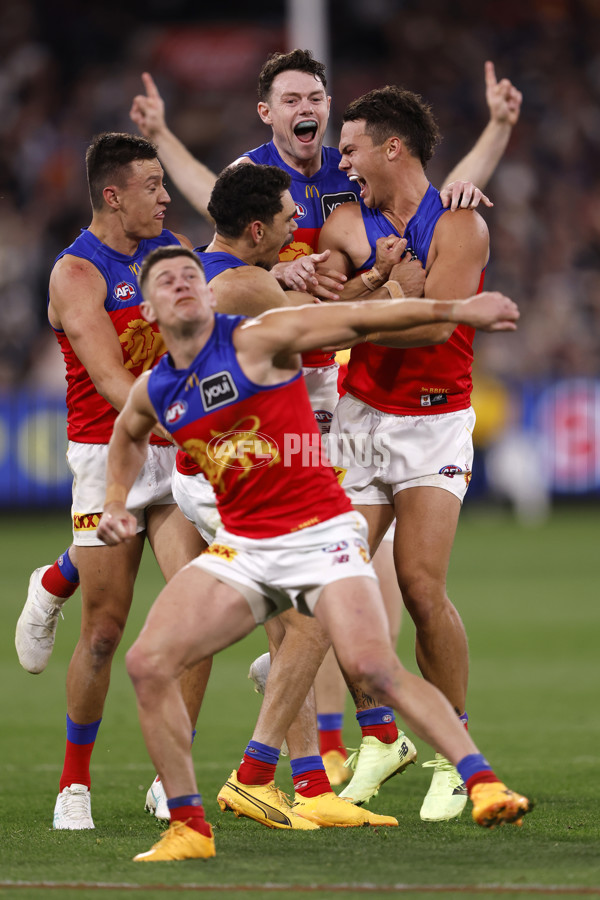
x=169, y=251
x=108, y=159
x=393, y=111
x=244, y=193
x=294, y=61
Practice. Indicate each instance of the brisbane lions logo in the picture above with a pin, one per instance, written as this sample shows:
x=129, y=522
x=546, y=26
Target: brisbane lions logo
x=141, y=345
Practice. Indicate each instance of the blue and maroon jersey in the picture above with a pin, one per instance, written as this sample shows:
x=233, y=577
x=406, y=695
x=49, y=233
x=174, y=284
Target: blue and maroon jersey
x=419, y=380
x=316, y=198
x=90, y=417
x=259, y=446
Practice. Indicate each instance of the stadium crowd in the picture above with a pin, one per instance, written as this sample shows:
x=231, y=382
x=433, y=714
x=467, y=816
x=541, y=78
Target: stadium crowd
x=64, y=77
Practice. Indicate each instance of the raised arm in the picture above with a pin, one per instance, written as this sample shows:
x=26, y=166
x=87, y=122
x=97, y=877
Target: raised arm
x=127, y=452
x=504, y=103
x=193, y=179
x=280, y=333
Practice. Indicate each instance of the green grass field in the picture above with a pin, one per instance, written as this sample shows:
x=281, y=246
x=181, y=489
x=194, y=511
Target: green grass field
x=530, y=601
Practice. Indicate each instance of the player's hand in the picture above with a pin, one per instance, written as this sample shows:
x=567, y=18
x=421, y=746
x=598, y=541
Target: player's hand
x=502, y=97
x=307, y=275
x=148, y=110
x=388, y=251
x=489, y=311
x=116, y=525
x=410, y=275
x=463, y=195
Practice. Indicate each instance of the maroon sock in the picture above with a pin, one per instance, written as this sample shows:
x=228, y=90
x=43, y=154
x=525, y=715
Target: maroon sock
x=255, y=771
x=386, y=732
x=486, y=775
x=76, y=768
x=55, y=582
x=332, y=740
x=193, y=817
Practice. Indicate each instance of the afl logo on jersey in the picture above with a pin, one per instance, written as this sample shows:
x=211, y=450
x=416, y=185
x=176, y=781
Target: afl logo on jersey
x=301, y=211
x=124, y=291
x=175, y=412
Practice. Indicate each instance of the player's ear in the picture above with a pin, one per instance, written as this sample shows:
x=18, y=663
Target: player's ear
x=393, y=147
x=147, y=311
x=257, y=230
x=111, y=196
x=264, y=111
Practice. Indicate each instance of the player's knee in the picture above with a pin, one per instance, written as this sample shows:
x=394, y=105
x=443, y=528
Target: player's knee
x=142, y=668
x=104, y=638
x=424, y=597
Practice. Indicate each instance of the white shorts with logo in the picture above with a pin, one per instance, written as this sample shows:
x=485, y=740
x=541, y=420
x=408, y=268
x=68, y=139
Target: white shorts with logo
x=321, y=384
x=87, y=462
x=384, y=454
x=194, y=494
x=276, y=573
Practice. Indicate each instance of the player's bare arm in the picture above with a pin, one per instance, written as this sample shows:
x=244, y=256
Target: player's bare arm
x=280, y=335
x=343, y=234
x=193, y=179
x=504, y=103
x=77, y=294
x=253, y=290
x=127, y=453
x=459, y=252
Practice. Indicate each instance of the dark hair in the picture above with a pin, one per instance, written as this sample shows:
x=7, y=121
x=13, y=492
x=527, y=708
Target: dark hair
x=167, y=252
x=392, y=111
x=245, y=193
x=108, y=158
x=295, y=61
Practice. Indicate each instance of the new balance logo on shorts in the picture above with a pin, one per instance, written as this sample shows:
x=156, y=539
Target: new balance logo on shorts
x=217, y=390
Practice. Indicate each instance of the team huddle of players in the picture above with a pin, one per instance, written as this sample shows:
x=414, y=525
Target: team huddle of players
x=296, y=224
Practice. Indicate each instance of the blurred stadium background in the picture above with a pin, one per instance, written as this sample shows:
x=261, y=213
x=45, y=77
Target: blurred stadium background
x=69, y=70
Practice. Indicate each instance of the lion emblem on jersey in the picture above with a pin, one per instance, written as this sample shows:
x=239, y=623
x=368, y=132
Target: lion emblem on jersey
x=142, y=345
x=294, y=251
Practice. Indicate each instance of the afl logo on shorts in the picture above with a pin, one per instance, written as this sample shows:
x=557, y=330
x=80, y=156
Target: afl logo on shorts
x=451, y=471
x=300, y=211
x=323, y=419
x=124, y=291
x=175, y=412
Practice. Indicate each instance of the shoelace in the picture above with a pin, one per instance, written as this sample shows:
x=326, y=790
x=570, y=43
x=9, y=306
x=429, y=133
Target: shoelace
x=441, y=764
x=46, y=621
x=77, y=805
x=352, y=761
x=280, y=796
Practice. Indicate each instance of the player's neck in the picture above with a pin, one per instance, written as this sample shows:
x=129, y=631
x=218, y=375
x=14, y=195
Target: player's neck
x=110, y=232
x=403, y=200
x=306, y=167
x=185, y=343
x=220, y=244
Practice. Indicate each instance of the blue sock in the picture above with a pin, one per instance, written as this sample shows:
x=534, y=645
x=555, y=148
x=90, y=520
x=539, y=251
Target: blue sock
x=67, y=568
x=82, y=734
x=330, y=721
x=380, y=715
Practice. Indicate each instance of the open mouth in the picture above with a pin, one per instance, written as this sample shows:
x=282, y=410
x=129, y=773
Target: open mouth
x=360, y=181
x=306, y=131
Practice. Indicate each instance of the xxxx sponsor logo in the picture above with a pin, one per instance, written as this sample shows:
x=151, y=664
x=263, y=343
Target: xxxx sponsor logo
x=86, y=522
x=220, y=550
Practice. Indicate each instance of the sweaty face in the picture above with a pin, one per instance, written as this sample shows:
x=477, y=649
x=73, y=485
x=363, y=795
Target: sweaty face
x=143, y=200
x=279, y=232
x=362, y=161
x=298, y=111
